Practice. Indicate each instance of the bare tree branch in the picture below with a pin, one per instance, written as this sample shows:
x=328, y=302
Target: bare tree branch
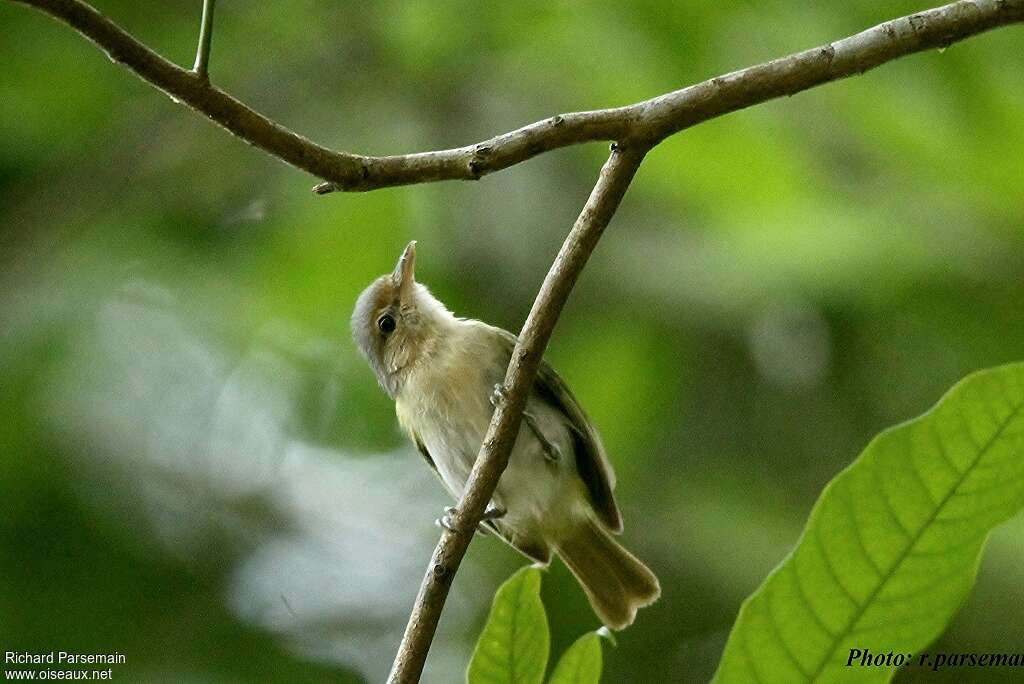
x=615, y=177
x=644, y=122
x=202, y=65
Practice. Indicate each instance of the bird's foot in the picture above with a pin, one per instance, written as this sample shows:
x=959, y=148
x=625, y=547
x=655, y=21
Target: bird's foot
x=446, y=520
x=498, y=395
x=551, y=451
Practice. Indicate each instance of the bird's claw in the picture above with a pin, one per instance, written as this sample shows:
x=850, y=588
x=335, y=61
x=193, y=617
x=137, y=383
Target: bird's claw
x=446, y=520
x=498, y=395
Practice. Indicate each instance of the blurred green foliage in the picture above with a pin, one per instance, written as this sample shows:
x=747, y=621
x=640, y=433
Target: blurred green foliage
x=779, y=285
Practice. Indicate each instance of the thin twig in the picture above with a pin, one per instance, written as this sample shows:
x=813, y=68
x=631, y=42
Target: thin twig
x=202, y=65
x=645, y=122
x=615, y=177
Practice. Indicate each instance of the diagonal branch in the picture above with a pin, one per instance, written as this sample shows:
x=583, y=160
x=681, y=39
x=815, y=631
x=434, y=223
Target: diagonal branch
x=615, y=177
x=645, y=122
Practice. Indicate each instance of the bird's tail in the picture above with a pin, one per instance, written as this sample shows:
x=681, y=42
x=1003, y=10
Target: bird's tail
x=616, y=583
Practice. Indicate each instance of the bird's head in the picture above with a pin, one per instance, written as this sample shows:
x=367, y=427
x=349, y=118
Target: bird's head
x=397, y=323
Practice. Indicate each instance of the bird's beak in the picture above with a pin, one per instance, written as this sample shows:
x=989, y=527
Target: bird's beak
x=404, y=274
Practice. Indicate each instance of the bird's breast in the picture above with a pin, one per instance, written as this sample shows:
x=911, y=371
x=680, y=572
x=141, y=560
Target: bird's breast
x=446, y=405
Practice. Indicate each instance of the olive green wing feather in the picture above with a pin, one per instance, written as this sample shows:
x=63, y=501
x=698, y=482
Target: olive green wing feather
x=592, y=462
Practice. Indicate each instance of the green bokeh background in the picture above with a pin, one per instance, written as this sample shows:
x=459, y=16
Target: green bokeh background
x=196, y=469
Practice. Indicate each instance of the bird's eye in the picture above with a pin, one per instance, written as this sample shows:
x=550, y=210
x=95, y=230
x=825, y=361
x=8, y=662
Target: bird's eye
x=386, y=324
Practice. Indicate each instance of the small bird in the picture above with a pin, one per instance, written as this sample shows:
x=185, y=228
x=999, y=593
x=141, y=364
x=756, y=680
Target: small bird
x=445, y=375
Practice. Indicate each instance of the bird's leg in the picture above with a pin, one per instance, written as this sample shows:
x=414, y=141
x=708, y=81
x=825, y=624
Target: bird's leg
x=492, y=513
x=551, y=451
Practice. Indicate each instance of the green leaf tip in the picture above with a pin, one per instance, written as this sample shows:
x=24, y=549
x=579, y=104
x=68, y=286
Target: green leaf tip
x=581, y=662
x=892, y=545
x=607, y=634
x=513, y=647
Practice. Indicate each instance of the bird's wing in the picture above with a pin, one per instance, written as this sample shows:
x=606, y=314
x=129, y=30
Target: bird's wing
x=592, y=462
x=422, y=448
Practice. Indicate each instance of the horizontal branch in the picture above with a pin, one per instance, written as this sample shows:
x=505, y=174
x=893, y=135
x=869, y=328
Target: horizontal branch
x=645, y=123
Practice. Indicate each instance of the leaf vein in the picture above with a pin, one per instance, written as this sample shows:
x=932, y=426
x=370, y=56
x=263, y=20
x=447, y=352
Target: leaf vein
x=941, y=448
x=887, y=504
x=948, y=550
x=920, y=479
x=774, y=625
x=831, y=570
x=847, y=506
x=982, y=450
x=806, y=599
x=931, y=584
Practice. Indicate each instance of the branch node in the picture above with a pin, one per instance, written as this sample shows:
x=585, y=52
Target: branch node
x=325, y=188
x=202, y=64
x=916, y=22
x=477, y=164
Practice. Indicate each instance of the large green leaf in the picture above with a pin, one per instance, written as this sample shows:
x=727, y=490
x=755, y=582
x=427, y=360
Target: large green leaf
x=892, y=546
x=513, y=648
x=581, y=663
